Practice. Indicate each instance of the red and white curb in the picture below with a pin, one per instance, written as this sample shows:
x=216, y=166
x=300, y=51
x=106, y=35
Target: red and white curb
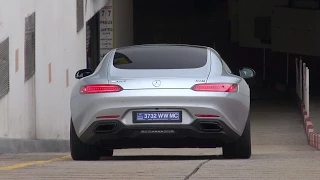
x=313, y=138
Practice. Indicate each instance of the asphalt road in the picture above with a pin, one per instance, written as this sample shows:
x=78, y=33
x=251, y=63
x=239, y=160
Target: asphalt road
x=280, y=151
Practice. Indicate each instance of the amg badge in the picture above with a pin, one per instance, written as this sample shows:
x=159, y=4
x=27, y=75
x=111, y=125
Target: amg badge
x=157, y=131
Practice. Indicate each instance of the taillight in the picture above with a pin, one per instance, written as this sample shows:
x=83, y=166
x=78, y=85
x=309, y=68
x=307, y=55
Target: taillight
x=100, y=88
x=216, y=87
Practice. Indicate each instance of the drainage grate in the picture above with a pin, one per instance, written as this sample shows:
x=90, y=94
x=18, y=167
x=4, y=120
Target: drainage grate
x=4, y=68
x=29, y=47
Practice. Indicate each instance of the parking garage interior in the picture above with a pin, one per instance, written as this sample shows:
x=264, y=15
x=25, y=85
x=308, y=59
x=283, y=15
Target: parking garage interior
x=245, y=33
x=213, y=23
x=268, y=36
x=220, y=24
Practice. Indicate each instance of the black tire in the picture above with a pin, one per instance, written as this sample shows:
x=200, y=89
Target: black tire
x=81, y=151
x=241, y=148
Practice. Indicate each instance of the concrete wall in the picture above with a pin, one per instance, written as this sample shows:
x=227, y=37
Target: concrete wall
x=17, y=109
x=306, y=4
x=123, y=22
x=233, y=10
x=297, y=27
x=39, y=108
x=93, y=6
x=293, y=30
x=248, y=10
x=294, y=33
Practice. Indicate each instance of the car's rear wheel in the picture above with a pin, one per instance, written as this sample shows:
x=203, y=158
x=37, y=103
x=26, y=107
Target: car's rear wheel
x=241, y=148
x=81, y=151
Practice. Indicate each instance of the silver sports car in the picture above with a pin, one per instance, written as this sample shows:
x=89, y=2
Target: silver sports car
x=160, y=96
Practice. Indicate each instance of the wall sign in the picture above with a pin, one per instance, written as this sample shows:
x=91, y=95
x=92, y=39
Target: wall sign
x=106, y=29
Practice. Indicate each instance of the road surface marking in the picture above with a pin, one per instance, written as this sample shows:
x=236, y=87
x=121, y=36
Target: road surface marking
x=31, y=163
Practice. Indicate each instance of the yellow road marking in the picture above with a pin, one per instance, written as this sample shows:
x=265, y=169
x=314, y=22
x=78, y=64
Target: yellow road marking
x=31, y=163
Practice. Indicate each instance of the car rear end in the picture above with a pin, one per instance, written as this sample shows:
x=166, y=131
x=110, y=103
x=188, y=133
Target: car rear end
x=160, y=96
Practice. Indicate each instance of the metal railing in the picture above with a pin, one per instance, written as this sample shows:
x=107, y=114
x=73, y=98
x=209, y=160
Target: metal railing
x=302, y=85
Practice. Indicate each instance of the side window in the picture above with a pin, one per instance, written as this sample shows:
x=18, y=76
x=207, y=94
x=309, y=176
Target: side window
x=226, y=67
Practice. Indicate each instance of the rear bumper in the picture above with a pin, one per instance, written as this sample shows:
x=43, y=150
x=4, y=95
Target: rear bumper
x=116, y=135
x=233, y=109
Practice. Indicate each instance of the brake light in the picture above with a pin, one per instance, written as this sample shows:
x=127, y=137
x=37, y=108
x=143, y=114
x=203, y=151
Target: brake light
x=100, y=88
x=216, y=87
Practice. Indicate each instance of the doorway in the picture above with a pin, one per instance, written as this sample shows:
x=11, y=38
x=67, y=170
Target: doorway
x=92, y=42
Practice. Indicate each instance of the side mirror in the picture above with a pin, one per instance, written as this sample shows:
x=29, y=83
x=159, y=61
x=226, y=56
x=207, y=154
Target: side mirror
x=247, y=73
x=83, y=73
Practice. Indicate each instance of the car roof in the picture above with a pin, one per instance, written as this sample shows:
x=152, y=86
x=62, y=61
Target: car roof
x=163, y=45
x=170, y=45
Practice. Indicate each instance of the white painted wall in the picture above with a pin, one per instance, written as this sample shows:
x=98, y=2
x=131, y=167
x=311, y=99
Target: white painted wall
x=58, y=43
x=93, y=6
x=16, y=120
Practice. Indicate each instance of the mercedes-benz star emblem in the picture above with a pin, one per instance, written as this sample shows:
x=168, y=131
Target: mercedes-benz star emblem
x=156, y=83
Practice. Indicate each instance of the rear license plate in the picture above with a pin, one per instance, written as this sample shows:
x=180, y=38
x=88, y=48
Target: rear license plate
x=157, y=116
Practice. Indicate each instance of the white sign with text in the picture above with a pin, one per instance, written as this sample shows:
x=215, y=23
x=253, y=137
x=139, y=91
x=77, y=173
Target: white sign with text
x=106, y=29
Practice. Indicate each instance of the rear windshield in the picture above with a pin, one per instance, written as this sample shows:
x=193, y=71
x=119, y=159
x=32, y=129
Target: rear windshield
x=160, y=57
